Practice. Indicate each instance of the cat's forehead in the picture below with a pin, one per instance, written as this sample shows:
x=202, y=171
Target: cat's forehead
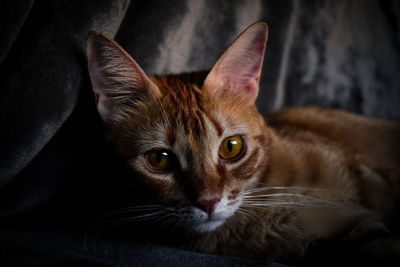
x=181, y=92
x=186, y=105
x=185, y=118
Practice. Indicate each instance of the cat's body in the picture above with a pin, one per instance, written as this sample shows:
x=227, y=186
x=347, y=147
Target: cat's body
x=241, y=184
x=331, y=156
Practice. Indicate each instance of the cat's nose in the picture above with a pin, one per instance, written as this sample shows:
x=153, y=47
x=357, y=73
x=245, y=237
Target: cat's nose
x=208, y=204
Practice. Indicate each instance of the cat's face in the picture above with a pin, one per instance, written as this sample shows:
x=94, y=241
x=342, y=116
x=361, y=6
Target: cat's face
x=197, y=153
x=198, y=147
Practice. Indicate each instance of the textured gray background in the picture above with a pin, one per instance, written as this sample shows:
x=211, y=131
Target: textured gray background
x=56, y=175
x=332, y=53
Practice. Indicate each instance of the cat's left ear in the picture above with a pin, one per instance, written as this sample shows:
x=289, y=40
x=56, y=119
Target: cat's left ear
x=116, y=78
x=239, y=68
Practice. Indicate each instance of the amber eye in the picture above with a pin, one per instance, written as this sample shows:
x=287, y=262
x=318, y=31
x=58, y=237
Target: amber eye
x=231, y=147
x=158, y=160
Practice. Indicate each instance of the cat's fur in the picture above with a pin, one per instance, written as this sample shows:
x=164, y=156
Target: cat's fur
x=306, y=174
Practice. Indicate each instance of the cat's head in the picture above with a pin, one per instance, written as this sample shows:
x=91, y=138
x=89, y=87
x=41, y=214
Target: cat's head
x=198, y=146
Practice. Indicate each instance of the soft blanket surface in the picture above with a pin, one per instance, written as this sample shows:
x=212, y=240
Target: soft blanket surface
x=56, y=174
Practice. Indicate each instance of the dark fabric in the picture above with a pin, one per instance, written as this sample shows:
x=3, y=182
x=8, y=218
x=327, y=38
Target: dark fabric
x=56, y=173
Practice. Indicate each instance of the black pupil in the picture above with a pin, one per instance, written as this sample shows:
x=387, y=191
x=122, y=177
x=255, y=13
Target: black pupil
x=160, y=156
x=230, y=145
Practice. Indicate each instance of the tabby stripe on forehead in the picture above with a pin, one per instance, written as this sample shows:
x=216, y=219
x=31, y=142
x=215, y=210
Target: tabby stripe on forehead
x=199, y=118
x=171, y=136
x=217, y=126
x=193, y=125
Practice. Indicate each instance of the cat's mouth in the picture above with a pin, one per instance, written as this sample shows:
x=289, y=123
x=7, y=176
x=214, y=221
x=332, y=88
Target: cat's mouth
x=203, y=222
x=199, y=219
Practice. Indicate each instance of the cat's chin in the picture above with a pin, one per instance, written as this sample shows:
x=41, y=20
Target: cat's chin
x=204, y=223
x=207, y=226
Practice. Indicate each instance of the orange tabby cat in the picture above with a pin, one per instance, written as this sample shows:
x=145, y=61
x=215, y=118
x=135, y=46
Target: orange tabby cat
x=242, y=184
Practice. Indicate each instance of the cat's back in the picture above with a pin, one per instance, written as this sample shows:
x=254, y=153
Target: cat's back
x=375, y=140
x=366, y=149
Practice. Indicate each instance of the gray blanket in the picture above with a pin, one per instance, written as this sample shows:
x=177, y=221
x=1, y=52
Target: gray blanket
x=56, y=174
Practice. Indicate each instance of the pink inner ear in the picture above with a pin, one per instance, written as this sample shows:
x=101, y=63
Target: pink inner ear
x=239, y=68
x=248, y=78
x=115, y=75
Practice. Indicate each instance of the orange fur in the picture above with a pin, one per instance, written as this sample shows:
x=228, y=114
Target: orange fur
x=305, y=174
x=329, y=150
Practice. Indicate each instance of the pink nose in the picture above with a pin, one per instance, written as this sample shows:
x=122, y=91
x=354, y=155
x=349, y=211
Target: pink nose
x=208, y=205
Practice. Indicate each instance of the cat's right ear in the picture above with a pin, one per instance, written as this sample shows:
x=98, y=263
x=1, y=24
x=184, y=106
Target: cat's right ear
x=116, y=78
x=238, y=70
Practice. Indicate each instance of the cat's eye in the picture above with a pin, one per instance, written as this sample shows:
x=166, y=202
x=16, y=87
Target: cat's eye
x=231, y=147
x=159, y=160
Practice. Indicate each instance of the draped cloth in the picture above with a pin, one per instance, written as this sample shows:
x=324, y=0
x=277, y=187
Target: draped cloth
x=55, y=173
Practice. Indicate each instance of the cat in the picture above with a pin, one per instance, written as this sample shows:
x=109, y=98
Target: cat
x=243, y=184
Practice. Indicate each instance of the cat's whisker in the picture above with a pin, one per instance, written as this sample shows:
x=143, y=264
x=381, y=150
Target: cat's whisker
x=292, y=203
x=299, y=197
x=127, y=210
x=287, y=188
x=107, y=222
x=276, y=204
x=145, y=216
x=247, y=212
x=275, y=195
x=133, y=208
x=121, y=221
x=285, y=204
x=169, y=221
x=129, y=218
x=167, y=218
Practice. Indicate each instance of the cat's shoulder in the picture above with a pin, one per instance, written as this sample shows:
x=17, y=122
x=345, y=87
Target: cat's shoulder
x=328, y=120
